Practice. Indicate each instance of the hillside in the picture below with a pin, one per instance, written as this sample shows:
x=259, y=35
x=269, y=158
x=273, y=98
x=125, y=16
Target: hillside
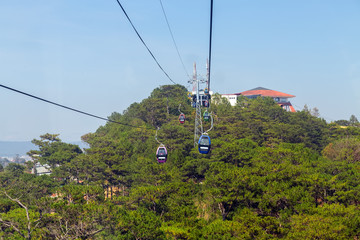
x=270, y=174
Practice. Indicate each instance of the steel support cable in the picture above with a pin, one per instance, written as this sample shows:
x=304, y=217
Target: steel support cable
x=137, y=33
x=161, y=145
x=172, y=36
x=210, y=41
x=69, y=108
x=212, y=124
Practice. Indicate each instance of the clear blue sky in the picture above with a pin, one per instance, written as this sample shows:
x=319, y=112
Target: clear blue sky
x=84, y=54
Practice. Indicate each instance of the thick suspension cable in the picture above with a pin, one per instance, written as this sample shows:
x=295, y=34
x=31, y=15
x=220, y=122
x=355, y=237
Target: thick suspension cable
x=137, y=33
x=69, y=108
x=172, y=36
x=210, y=41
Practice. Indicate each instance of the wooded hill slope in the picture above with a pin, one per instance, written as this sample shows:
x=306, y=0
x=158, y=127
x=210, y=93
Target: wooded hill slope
x=270, y=174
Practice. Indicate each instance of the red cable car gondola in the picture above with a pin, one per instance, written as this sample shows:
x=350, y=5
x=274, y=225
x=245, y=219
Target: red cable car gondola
x=182, y=118
x=206, y=103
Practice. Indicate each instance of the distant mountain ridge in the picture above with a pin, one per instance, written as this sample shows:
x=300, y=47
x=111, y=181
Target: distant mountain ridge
x=13, y=148
x=8, y=148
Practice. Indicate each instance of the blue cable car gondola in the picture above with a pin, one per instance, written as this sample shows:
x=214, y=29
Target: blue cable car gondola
x=182, y=118
x=161, y=154
x=206, y=91
x=204, y=144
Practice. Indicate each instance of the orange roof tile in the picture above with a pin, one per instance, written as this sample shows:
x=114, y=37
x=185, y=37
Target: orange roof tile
x=266, y=93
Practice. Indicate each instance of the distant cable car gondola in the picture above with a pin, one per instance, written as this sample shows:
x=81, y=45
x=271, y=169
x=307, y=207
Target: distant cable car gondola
x=194, y=98
x=206, y=91
x=189, y=95
x=206, y=103
x=206, y=116
x=182, y=118
x=161, y=154
x=204, y=144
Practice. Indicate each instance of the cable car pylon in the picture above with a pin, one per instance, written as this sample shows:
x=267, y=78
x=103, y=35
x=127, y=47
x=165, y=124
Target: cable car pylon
x=197, y=104
x=201, y=98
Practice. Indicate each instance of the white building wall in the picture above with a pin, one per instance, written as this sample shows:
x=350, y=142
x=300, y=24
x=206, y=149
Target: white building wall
x=231, y=98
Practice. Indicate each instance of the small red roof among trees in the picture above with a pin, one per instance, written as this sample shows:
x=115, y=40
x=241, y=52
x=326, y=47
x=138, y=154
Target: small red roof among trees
x=266, y=93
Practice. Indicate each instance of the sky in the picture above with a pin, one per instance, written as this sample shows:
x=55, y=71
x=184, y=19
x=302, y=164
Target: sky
x=85, y=55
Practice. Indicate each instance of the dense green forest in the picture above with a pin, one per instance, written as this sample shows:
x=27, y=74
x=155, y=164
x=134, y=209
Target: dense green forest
x=271, y=174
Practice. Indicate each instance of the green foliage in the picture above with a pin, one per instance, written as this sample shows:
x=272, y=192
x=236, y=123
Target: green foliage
x=327, y=222
x=19, y=229
x=76, y=221
x=15, y=169
x=238, y=152
x=229, y=186
x=343, y=122
x=271, y=174
x=140, y=224
x=55, y=154
x=223, y=230
x=353, y=121
x=347, y=149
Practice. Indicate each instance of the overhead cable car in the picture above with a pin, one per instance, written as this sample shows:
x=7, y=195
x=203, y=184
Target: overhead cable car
x=204, y=144
x=161, y=154
x=206, y=91
x=206, y=103
x=182, y=118
x=189, y=95
x=205, y=100
x=194, y=98
x=206, y=116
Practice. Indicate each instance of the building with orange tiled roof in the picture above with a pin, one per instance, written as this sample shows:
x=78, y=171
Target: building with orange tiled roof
x=279, y=97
